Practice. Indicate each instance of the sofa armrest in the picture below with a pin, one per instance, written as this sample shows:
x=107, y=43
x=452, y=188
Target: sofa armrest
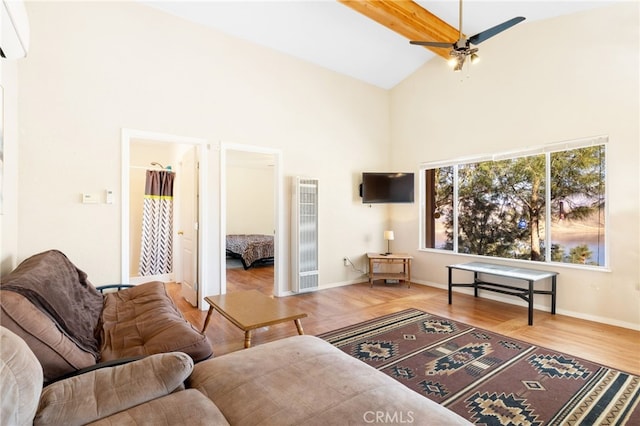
x=103, y=392
x=118, y=287
x=187, y=407
x=98, y=366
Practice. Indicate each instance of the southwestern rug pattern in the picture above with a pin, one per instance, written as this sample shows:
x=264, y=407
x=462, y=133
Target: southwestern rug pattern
x=489, y=378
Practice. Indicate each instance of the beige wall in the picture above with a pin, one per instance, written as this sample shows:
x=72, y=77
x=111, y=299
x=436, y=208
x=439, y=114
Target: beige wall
x=9, y=181
x=541, y=82
x=250, y=200
x=95, y=68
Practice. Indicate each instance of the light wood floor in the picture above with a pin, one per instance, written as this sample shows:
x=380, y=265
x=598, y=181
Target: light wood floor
x=339, y=307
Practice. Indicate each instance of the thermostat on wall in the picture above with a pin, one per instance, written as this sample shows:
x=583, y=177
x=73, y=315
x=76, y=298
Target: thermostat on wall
x=89, y=199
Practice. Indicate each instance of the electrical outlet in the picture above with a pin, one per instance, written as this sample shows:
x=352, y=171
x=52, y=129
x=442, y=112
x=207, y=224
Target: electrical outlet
x=345, y=261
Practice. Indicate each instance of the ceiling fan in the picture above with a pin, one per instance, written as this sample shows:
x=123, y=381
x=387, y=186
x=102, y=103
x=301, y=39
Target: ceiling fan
x=462, y=49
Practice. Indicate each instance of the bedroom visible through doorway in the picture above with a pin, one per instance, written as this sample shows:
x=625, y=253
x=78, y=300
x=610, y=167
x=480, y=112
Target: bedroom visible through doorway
x=250, y=192
x=250, y=220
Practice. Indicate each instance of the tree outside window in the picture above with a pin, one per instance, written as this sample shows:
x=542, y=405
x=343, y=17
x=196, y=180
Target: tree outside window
x=503, y=208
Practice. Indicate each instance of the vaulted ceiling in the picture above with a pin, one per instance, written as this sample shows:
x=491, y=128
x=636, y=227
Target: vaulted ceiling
x=365, y=39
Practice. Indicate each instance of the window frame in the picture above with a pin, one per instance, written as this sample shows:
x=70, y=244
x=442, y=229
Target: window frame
x=547, y=150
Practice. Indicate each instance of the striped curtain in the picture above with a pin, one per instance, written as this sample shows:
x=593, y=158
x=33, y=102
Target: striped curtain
x=157, y=224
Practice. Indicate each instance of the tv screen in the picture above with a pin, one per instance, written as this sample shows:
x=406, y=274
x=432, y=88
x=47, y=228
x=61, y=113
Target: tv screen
x=394, y=187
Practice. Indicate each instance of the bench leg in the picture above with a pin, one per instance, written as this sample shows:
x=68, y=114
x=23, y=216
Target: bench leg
x=299, y=326
x=530, y=302
x=450, y=288
x=475, y=284
x=553, y=295
x=247, y=339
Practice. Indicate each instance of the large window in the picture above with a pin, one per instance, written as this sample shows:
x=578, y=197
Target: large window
x=544, y=205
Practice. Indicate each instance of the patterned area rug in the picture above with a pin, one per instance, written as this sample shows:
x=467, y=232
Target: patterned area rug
x=489, y=378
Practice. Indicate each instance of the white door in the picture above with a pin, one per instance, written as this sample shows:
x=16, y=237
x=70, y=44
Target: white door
x=188, y=232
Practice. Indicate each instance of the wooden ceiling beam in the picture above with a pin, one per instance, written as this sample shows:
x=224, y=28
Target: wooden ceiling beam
x=408, y=19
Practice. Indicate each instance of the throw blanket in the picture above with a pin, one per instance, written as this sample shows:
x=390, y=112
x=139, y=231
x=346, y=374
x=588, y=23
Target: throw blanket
x=62, y=292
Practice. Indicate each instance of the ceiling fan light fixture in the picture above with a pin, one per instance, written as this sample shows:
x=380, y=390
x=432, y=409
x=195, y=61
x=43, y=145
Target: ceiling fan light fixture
x=457, y=60
x=461, y=49
x=459, y=64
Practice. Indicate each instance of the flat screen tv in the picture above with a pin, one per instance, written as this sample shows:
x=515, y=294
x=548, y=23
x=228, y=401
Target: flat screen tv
x=390, y=187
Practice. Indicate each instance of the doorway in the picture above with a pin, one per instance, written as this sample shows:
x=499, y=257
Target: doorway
x=251, y=204
x=143, y=151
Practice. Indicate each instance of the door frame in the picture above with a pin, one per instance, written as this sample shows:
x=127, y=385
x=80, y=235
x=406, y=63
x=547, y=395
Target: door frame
x=127, y=135
x=278, y=241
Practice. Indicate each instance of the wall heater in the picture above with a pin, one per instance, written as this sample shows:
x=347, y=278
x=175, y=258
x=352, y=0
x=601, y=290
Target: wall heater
x=304, y=235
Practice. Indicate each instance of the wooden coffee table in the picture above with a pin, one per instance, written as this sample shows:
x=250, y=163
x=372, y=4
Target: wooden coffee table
x=251, y=309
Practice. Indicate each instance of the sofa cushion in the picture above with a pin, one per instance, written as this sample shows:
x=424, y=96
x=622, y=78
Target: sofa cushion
x=58, y=355
x=143, y=320
x=20, y=380
x=305, y=380
x=187, y=407
x=62, y=292
x=100, y=393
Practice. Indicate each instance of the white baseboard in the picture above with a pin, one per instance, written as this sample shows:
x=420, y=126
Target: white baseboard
x=496, y=297
x=330, y=285
x=519, y=302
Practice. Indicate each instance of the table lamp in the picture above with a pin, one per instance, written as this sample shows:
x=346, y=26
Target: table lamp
x=388, y=235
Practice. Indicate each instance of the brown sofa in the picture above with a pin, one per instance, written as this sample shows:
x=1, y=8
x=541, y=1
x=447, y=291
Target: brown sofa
x=300, y=380
x=69, y=325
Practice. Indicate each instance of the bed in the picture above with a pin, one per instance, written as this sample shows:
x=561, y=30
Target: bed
x=251, y=249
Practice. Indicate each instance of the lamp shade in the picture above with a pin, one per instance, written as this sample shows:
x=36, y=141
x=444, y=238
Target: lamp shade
x=388, y=235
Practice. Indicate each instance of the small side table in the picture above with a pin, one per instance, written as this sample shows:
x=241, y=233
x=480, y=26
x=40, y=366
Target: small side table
x=390, y=259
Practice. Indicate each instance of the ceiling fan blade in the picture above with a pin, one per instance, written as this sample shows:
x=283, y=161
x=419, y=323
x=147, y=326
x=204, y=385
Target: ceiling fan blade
x=487, y=34
x=432, y=44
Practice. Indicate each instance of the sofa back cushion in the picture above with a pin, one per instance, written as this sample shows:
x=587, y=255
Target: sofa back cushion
x=62, y=292
x=20, y=380
x=58, y=355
